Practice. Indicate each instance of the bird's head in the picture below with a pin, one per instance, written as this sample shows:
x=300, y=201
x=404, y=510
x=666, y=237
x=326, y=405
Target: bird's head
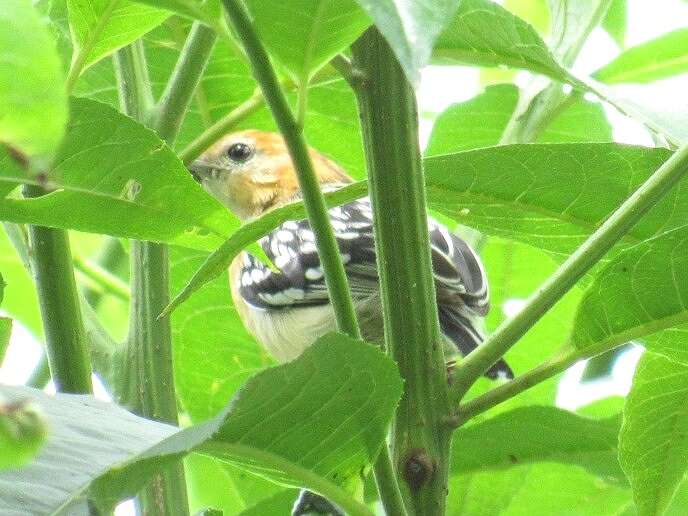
x=251, y=172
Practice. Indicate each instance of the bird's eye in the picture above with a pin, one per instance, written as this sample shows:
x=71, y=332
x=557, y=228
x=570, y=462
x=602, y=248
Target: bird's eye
x=240, y=152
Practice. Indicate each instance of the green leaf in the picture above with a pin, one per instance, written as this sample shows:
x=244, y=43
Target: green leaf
x=642, y=291
x=480, y=122
x=653, y=60
x=139, y=188
x=20, y=300
x=517, y=437
x=33, y=102
x=212, y=483
x=582, y=121
x=615, y=21
x=653, y=444
x=219, y=260
x=99, y=27
x=85, y=450
x=322, y=418
x=534, y=12
x=572, y=23
x=548, y=195
x=306, y=34
x=411, y=28
x=537, y=490
x=213, y=353
x=206, y=11
x=22, y=432
x=485, y=34
x=281, y=503
x=5, y=334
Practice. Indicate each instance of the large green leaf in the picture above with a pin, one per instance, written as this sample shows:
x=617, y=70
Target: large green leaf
x=484, y=33
x=642, y=291
x=82, y=442
x=657, y=59
x=5, y=334
x=536, y=490
x=117, y=177
x=20, y=300
x=33, y=102
x=411, y=27
x=213, y=353
x=281, y=503
x=99, y=27
x=616, y=20
x=539, y=434
x=208, y=11
x=314, y=422
x=306, y=34
x=547, y=195
x=22, y=431
x=653, y=444
x=480, y=122
x=211, y=483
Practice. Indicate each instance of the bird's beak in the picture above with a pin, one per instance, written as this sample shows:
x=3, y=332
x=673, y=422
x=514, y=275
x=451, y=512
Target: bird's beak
x=200, y=170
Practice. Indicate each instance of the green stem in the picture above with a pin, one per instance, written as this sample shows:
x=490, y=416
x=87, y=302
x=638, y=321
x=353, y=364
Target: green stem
x=313, y=200
x=40, y=376
x=149, y=385
x=65, y=339
x=135, y=95
x=221, y=127
x=312, y=196
x=558, y=363
x=387, y=106
x=580, y=262
x=169, y=114
x=111, y=258
x=79, y=59
x=107, y=281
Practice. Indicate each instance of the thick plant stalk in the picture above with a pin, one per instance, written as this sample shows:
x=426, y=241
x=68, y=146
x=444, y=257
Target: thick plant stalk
x=387, y=106
x=65, y=338
x=149, y=387
x=579, y=263
x=316, y=210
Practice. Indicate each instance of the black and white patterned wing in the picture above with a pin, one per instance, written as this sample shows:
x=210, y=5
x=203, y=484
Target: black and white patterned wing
x=459, y=274
x=300, y=279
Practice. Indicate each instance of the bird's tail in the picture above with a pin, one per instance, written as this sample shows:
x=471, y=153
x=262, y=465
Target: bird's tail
x=462, y=330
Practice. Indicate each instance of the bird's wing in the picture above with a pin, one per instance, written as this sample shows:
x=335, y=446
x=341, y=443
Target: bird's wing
x=299, y=279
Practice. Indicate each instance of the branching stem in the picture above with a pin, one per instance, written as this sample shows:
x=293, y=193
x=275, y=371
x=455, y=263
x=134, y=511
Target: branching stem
x=579, y=263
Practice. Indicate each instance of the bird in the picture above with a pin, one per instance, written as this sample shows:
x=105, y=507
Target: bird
x=286, y=306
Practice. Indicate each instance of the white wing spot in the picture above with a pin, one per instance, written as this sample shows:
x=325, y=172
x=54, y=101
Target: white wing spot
x=285, y=236
x=314, y=273
x=308, y=248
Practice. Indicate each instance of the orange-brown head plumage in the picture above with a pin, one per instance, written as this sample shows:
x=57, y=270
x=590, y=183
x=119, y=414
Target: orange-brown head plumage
x=251, y=172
